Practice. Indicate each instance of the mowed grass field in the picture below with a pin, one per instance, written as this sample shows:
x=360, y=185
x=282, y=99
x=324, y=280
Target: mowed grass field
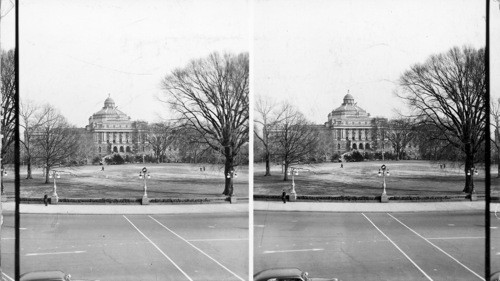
x=172, y=180
x=361, y=178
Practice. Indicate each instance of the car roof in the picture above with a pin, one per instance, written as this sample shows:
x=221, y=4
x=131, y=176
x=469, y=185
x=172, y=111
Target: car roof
x=277, y=272
x=46, y=275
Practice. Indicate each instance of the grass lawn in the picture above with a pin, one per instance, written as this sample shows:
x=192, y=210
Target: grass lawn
x=172, y=180
x=361, y=178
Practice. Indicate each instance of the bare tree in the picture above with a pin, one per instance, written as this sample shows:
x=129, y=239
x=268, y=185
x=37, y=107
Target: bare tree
x=31, y=117
x=55, y=140
x=160, y=137
x=400, y=133
x=269, y=115
x=449, y=92
x=8, y=88
x=294, y=136
x=211, y=97
x=495, y=114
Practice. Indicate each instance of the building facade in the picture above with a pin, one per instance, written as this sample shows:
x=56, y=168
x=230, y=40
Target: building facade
x=114, y=132
x=350, y=127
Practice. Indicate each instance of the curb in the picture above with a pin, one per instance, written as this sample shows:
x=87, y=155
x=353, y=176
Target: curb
x=370, y=207
x=115, y=209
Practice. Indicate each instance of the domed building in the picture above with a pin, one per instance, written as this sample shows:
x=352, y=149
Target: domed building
x=114, y=132
x=352, y=128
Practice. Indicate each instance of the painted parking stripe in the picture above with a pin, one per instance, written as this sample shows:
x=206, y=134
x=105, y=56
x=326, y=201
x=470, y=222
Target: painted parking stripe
x=197, y=249
x=7, y=277
x=427, y=240
x=454, y=238
x=54, y=253
x=290, y=251
x=397, y=247
x=158, y=248
x=222, y=239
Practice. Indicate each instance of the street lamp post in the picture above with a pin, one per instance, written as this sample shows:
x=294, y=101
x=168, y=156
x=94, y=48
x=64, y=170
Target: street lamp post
x=230, y=175
x=144, y=175
x=472, y=172
x=54, y=199
x=294, y=172
x=383, y=172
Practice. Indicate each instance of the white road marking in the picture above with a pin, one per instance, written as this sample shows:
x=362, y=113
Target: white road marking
x=477, y=275
x=54, y=253
x=7, y=276
x=497, y=254
x=290, y=251
x=453, y=238
x=259, y=225
x=451, y=224
x=8, y=238
x=397, y=247
x=228, y=239
x=165, y=255
x=197, y=249
x=493, y=227
x=22, y=228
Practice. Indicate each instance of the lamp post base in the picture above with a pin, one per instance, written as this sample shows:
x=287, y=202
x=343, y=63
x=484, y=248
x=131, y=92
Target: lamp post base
x=145, y=200
x=232, y=199
x=54, y=199
x=292, y=197
x=384, y=198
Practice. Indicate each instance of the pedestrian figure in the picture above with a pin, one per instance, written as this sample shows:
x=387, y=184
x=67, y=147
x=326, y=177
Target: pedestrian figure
x=45, y=199
x=102, y=168
x=283, y=196
x=203, y=168
x=341, y=165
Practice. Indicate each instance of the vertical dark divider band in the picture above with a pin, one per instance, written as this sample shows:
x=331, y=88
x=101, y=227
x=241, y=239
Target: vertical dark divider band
x=17, y=154
x=487, y=181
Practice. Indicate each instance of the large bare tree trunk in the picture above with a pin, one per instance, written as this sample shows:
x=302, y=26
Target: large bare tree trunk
x=47, y=170
x=268, y=167
x=285, y=178
x=228, y=171
x=28, y=169
x=469, y=163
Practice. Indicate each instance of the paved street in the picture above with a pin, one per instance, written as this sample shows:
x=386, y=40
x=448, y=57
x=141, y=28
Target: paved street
x=8, y=246
x=137, y=247
x=373, y=246
x=495, y=240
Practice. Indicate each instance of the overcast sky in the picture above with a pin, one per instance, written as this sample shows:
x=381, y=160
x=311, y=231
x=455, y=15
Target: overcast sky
x=74, y=53
x=312, y=52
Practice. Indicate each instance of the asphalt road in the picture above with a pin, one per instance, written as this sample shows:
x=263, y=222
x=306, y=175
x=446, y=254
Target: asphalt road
x=8, y=250
x=373, y=246
x=495, y=241
x=137, y=247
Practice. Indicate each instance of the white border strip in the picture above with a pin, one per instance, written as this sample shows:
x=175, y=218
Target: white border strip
x=423, y=272
x=189, y=278
x=197, y=248
x=427, y=240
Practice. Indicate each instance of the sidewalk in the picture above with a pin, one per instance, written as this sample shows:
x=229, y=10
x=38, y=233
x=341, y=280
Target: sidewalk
x=476, y=206
x=126, y=209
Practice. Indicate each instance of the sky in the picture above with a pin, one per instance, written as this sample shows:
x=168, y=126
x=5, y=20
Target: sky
x=74, y=53
x=311, y=53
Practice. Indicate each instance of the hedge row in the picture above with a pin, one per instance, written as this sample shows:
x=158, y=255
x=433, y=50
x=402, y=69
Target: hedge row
x=131, y=200
x=365, y=198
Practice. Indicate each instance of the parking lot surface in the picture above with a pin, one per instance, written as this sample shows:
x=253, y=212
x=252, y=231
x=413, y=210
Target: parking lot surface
x=137, y=247
x=373, y=246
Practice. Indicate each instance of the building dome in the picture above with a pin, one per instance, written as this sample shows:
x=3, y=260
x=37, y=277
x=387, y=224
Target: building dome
x=109, y=112
x=349, y=107
x=109, y=103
